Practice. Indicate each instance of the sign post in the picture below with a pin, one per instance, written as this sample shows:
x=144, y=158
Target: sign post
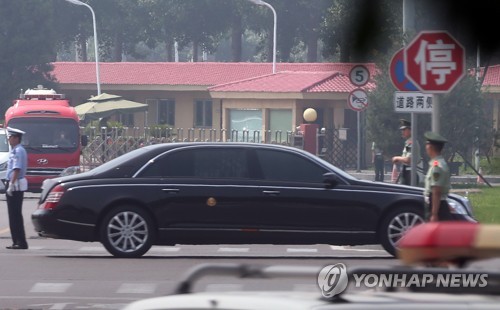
x=435, y=63
x=358, y=100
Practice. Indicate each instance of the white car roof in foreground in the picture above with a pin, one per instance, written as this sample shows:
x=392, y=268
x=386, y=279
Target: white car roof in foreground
x=246, y=300
x=293, y=300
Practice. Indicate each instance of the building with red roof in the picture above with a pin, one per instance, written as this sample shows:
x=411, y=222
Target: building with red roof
x=233, y=96
x=491, y=87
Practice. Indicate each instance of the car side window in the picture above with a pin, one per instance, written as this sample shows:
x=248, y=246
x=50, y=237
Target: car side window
x=283, y=166
x=201, y=163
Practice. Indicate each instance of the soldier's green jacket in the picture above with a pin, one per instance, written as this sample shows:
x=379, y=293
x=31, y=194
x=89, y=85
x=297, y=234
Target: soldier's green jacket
x=438, y=175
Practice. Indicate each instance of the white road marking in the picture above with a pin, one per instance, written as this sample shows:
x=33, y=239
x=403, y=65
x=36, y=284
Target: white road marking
x=238, y=250
x=36, y=247
x=136, y=288
x=56, y=306
x=303, y=250
x=169, y=249
x=50, y=287
x=92, y=249
x=344, y=248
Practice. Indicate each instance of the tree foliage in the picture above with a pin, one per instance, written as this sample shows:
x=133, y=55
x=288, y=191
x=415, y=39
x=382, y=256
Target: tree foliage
x=463, y=118
x=28, y=46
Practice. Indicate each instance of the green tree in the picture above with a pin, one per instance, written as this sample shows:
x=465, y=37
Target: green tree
x=122, y=24
x=464, y=121
x=164, y=26
x=203, y=23
x=241, y=13
x=360, y=30
x=298, y=27
x=29, y=44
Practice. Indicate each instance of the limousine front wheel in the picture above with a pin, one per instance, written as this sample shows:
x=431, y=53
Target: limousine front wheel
x=395, y=224
x=127, y=232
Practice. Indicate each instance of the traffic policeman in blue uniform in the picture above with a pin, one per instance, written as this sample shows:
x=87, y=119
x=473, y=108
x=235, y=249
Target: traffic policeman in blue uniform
x=437, y=180
x=16, y=184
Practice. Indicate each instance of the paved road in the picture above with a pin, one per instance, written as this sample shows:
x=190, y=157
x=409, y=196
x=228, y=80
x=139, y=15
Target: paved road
x=61, y=274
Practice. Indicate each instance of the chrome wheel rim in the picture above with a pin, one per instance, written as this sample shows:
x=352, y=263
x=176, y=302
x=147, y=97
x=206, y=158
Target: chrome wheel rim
x=127, y=231
x=400, y=224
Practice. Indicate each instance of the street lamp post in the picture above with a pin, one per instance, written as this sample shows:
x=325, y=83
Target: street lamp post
x=260, y=2
x=96, y=46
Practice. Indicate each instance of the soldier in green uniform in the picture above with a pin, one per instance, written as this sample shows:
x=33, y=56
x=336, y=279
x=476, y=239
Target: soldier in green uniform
x=411, y=147
x=437, y=180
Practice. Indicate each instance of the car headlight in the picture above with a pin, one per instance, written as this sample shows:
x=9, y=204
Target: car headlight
x=3, y=166
x=463, y=207
x=70, y=171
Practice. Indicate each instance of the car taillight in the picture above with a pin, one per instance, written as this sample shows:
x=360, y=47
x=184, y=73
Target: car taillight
x=53, y=197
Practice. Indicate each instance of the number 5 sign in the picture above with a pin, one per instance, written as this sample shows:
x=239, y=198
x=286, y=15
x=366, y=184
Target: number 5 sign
x=359, y=75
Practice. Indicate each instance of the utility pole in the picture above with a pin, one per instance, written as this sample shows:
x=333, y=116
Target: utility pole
x=409, y=25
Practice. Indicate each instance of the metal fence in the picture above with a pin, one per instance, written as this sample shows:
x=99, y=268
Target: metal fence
x=105, y=144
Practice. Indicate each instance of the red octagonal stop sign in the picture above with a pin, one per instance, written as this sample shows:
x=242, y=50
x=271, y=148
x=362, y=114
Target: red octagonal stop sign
x=434, y=61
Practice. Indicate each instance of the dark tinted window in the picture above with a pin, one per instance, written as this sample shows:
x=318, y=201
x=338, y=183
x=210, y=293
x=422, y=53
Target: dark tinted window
x=202, y=163
x=55, y=135
x=283, y=166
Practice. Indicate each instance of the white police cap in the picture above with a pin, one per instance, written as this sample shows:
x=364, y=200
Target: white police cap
x=14, y=132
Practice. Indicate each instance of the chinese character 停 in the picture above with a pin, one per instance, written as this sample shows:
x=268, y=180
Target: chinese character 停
x=437, y=59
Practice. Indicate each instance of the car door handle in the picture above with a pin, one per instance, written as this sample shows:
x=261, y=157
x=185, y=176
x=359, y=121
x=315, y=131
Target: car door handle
x=271, y=193
x=171, y=190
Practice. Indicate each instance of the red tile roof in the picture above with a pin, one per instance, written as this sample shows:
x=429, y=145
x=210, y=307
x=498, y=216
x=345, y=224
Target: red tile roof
x=183, y=73
x=290, y=81
x=492, y=76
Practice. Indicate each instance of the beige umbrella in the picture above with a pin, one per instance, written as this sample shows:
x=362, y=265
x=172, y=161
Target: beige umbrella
x=105, y=105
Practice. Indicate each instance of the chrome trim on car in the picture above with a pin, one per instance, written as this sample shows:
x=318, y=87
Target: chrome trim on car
x=44, y=171
x=246, y=186
x=76, y=223
x=275, y=230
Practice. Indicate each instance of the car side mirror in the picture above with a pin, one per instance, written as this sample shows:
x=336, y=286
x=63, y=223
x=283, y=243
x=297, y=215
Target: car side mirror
x=84, y=140
x=331, y=179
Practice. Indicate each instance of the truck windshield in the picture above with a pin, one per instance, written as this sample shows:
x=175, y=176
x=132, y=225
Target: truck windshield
x=4, y=143
x=48, y=135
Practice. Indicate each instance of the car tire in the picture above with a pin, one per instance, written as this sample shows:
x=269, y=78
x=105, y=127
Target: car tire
x=127, y=232
x=395, y=224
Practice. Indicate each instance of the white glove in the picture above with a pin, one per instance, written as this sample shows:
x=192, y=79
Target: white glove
x=10, y=189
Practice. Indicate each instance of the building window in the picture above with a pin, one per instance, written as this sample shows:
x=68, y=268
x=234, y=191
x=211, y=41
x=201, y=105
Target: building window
x=203, y=113
x=280, y=122
x=245, y=125
x=127, y=119
x=166, y=112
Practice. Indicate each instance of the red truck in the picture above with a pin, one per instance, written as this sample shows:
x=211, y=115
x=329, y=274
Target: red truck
x=52, y=138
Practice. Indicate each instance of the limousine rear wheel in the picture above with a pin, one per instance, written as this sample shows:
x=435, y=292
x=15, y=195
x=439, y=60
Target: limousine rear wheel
x=127, y=232
x=395, y=225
